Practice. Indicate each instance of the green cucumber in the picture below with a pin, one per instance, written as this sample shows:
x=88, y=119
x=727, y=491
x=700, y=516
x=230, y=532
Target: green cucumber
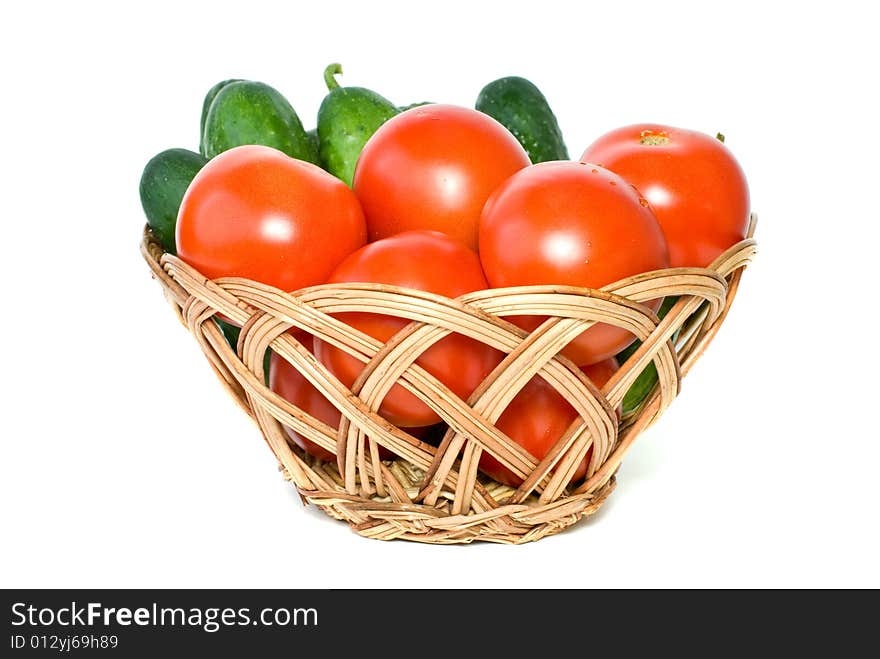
x=163, y=184
x=248, y=112
x=646, y=381
x=314, y=145
x=347, y=118
x=521, y=108
x=206, y=105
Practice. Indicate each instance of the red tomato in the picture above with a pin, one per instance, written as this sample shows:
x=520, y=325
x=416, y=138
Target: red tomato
x=433, y=167
x=254, y=212
x=427, y=261
x=695, y=187
x=568, y=223
x=537, y=417
x=290, y=384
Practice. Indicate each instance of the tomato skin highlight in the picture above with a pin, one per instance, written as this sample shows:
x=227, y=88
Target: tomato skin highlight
x=567, y=223
x=433, y=167
x=537, y=417
x=254, y=212
x=428, y=261
x=695, y=186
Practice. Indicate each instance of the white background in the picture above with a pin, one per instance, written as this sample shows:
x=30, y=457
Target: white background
x=123, y=462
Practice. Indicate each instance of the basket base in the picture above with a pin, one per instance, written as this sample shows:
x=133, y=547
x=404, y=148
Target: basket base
x=507, y=524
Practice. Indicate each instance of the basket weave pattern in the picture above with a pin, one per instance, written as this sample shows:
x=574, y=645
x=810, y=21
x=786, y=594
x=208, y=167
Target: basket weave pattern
x=436, y=494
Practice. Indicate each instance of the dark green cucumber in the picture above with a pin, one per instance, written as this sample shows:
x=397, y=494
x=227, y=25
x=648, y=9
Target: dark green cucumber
x=163, y=184
x=648, y=378
x=347, y=118
x=230, y=333
x=314, y=145
x=206, y=105
x=247, y=112
x=521, y=108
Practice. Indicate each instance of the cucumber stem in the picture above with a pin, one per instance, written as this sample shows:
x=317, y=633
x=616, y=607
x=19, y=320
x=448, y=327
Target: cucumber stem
x=329, y=72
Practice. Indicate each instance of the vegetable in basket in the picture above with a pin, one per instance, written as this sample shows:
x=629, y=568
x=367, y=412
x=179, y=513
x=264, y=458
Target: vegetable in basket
x=693, y=183
x=248, y=112
x=163, y=184
x=206, y=105
x=537, y=418
x=347, y=118
x=254, y=212
x=427, y=261
x=521, y=108
x=567, y=223
x=433, y=167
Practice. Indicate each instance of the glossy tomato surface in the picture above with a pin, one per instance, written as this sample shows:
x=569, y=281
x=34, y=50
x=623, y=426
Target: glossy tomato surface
x=255, y=212
x=537, y=417
x=567, y=223
x=433, y=167
x=427, y=261
x=695, y=186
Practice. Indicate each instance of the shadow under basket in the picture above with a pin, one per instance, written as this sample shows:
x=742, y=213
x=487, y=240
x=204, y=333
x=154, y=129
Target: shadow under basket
x=436, y=494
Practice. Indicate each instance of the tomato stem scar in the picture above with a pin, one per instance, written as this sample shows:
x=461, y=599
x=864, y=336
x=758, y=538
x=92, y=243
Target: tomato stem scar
x=654, y=138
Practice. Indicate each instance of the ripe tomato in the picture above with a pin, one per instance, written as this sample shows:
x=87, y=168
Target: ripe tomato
x=427, y=261
x=537, y=417
x=568, y=223
x=433, y=167
x=695, y=187
x=290, y=384
x=254, y=212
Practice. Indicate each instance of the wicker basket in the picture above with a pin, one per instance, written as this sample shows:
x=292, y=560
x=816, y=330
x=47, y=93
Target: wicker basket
x=436, y=494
